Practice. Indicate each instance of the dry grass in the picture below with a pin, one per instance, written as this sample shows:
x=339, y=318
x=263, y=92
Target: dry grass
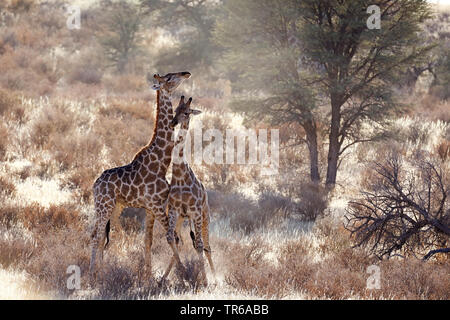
x=255, y=254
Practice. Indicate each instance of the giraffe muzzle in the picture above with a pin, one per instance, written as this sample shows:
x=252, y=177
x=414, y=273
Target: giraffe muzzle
x=186, y=74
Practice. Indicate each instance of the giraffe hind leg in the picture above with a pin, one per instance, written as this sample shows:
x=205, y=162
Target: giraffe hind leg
x=199, y=246
x=205, y=235
x=149, y=224
x=98, y=240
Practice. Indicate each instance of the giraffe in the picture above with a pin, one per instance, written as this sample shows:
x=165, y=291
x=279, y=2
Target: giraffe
x=187, y=196
x=141, y=183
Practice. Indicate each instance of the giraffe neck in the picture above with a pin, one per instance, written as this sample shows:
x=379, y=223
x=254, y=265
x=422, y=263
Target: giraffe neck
x=162, y=142
x=163, y=130
x=181, y=140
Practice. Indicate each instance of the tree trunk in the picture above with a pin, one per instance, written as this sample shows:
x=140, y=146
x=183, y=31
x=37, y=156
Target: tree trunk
x=334, y=147
x=311, y=139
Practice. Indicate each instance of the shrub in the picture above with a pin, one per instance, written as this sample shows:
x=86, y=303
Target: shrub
x=296, y=263
x=36, y=217
x=6, y=188
x=7, y=102
x=15, y=250
x=415, y=279
x=9, y=216
x=116, y=282
x=404, y=208
x=56, y=119
x=87, y=74
x=313, y=201
x=4, y=137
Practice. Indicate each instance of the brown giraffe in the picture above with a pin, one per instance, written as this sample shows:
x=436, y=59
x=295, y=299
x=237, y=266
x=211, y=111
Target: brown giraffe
x=141, y=183
x=187, y=196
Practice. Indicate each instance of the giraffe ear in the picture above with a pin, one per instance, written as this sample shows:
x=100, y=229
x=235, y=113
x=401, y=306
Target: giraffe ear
x=195, y=112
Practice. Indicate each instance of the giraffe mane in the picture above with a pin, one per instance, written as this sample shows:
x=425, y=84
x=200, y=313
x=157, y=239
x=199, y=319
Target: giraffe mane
x=154, y=129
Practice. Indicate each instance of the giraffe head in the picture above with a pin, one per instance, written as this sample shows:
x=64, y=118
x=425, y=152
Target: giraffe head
x=169, y=82
x=183, y=112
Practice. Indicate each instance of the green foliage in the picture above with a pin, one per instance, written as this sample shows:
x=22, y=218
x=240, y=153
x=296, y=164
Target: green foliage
x=190, y=22
x=121, y=38
x=262, y=61
x=317, y=61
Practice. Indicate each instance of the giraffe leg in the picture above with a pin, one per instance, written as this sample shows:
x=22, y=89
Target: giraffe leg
x=199, y=245
x=205, y=235
x=98, y=242
x=164, y=221
x=172, y=216
x=149, y=223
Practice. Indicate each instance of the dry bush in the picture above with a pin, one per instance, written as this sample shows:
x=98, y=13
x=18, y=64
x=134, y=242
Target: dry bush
x=296, y=264
x=124, y=83
x=8, y=42
x=312, y=201
x=415, y=279
x=18, y=6
x=15, y=250
x=129, y=110
x=83, y=178
x=4, y=140
x=403, y=208
x=9, y=216
x=251, y=273
x=443, y=150
x=87, y=74
x=76, y=151
x=190, y=275
x=116, y=282
x=6, y=187
x=332, y=281
x=122, y=138
x=10, y=106
x=276, y=207
x=48, y=265
x=53, y=120
x=269, y=210
x=336, y=243
x=41, y=219
x=432, y=107
x=25, y=173
x=242, y=212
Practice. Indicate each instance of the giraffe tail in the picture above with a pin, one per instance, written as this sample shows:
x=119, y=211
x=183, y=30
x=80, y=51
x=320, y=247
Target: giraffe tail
x=192, y=233
x=107, y=230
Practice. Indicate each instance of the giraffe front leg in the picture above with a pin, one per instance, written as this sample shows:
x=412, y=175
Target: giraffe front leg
x=149, y=223
x=199, y=247
x=171, y=234
x=205, y=235
x=164, y=220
